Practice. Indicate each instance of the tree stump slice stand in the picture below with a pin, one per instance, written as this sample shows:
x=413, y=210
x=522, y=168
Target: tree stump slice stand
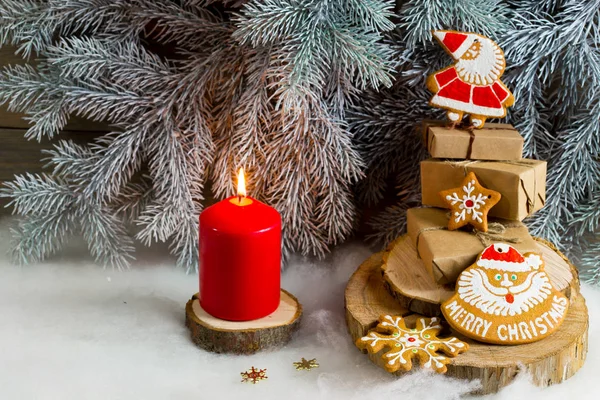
x=247, y=337
x=406, y=277
x=549, y=361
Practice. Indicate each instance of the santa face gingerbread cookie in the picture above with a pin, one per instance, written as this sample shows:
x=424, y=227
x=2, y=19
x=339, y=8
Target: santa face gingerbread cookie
x=505, y=298
x=472, y=85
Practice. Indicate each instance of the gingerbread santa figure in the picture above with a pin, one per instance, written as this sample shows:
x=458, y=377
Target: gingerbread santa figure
x=472, y=85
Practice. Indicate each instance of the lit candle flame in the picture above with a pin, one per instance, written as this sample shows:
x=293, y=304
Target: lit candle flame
x=241, y=185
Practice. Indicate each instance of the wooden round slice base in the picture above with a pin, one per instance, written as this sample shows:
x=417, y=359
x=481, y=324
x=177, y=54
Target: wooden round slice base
x=247, y=337
x=549, y=361
x=406, y=277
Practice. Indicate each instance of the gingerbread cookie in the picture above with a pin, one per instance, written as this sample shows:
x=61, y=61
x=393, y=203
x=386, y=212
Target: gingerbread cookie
x=505, y=298
x=404, y=344
x=470, y=204
x=472, y=84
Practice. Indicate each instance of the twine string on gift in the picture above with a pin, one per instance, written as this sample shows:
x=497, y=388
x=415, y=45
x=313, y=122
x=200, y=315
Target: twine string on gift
x=429, y=137
x=496, y=233
x=471, y=141
x=530, y=201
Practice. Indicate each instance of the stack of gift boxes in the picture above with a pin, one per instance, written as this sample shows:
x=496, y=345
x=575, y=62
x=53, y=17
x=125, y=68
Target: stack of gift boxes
x=495, y=155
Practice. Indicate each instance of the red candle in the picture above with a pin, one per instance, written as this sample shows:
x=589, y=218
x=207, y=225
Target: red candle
x=240, y=258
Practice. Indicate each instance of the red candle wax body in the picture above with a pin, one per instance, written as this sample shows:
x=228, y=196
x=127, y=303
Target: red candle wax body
x=240, y=259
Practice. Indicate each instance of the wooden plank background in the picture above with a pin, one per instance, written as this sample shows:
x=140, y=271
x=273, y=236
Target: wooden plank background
x=19, y=155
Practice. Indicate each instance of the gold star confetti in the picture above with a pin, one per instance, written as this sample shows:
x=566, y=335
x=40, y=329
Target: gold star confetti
x=305, y=364
x=254, y=375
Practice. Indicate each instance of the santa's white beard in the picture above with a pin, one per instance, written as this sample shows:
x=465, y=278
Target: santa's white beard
x=475, y=289
x=486, y=68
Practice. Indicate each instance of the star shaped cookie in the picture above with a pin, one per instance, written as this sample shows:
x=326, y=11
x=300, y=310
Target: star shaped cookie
x=470, y=204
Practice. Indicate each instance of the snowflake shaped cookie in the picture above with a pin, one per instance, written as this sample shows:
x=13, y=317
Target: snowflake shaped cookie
x=254, y=375
x=404, y=344
x=470, y=204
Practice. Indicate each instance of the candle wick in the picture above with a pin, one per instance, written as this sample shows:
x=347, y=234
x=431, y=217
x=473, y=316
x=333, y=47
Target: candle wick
x=240, y=198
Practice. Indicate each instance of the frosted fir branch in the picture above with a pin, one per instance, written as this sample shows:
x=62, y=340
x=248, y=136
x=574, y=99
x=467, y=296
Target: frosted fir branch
x=531, y=114
x=304, y=31
x=391, y=223
x=368, y=57
x=173, y=203
x=576, y=169
x=106, y=103
x=249, y=128
x=591, y=274
x=185, y=242
x=375, y=15
x=132, y=199
x=11, y=18
x=118, y=156
x=39, y=236
x=40, y=22
x=37, y=194
x=388, y=137
x=69, y=159
x=106, y=237
x=192, y=27
x=419, y=17
x=21, y=86
x=322, y=138
x=337, y=213
x=266, y=22
x=52, y=210
x=126, y=64
x=586, y=218
x=537, y=6
x=47, y=119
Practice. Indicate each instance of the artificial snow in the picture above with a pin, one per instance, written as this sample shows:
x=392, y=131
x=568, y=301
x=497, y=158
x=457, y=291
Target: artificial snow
x=71, y=330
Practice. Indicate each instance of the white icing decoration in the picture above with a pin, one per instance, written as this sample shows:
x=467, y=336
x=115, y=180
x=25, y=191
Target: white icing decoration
x=476, y=289
x=467, y=195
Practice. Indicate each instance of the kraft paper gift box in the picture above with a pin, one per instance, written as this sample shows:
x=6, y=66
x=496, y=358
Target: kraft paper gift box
x=493, y=142
x=522, y=183
x=447, y=253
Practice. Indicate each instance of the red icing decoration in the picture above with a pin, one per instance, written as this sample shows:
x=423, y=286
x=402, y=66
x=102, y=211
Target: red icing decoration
x=469, y=203
x=510, y=298
x=485, y=96
x=500, y=92
x=444, y=77
x=451, y=87
x=456, y=90
x=452, y=40
x=512, y=255
x=411, y=339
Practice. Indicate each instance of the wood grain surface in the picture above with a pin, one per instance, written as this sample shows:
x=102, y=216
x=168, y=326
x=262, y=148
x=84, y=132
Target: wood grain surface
x=549, y=361
x=246, y=337
x=407, y=279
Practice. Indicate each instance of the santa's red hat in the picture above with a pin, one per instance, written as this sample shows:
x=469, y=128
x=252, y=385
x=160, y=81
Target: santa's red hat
x=503, y=257
x=457, y=43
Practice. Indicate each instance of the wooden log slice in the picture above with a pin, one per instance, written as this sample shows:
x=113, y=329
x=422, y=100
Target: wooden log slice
x=407, y=279
x=549, y=361
x=247, y=337
x=366, y=296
